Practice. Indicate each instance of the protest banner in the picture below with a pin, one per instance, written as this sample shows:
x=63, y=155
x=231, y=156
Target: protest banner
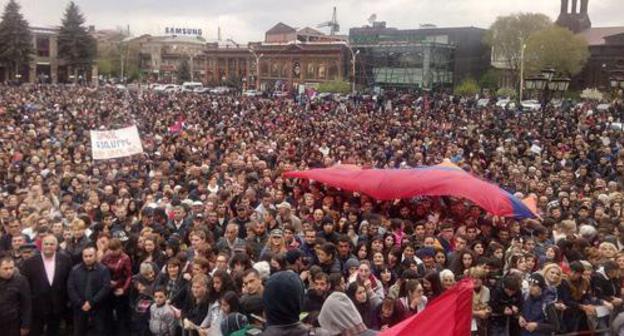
x=115, y=143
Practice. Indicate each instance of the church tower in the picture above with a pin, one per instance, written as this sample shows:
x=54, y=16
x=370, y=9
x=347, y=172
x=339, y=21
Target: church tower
x=574, y=17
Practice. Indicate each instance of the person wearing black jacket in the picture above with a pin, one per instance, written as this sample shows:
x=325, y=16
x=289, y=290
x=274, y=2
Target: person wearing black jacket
x=177, y=287
x=15, y=304
x=49, y=295
x=283, y=302
x=506, y=305
x=88, y=287
x=606, y=286
x=576, y=294
x=539, y=317
x=196, y=304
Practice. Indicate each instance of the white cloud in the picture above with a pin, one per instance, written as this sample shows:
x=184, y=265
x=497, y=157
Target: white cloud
x=245, y=20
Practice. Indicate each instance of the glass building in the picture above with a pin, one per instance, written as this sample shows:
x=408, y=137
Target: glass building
x=417, y=58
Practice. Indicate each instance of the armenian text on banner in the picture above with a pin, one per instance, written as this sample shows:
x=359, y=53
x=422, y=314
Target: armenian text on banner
x=115, y=143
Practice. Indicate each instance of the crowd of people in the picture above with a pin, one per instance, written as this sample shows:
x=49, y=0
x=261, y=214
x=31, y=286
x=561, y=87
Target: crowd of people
x=202, y=235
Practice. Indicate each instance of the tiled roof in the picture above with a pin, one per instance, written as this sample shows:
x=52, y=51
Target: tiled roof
x=595, y=36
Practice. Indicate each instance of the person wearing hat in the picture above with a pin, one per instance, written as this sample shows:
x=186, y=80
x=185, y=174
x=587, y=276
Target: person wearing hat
x=275, y=245
x=539, y=316
x=284, y=215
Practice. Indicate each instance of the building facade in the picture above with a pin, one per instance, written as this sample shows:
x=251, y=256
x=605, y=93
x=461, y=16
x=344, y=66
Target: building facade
x=44, y=64
x=288, y=59
x=160, y=57
x=428, y=57
x=606, y=45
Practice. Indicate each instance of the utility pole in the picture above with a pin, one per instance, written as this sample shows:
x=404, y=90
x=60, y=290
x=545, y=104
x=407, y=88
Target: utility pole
x=258, y=57
x=353, y=58
x=522, y=49
x=192, y=77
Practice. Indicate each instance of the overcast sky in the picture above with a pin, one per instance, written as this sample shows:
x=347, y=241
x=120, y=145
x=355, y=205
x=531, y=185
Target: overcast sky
x=247, y=20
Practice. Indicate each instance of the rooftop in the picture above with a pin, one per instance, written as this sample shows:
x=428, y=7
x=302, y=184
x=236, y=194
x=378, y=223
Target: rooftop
x=596, y=36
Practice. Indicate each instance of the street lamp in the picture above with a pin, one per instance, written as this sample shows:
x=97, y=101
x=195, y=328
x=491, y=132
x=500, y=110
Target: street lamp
x=258, y=57
x=546, y=83
x=548, y=73
x=353, y=58
x=617, y=82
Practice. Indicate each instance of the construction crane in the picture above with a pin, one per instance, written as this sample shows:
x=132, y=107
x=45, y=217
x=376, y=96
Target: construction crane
x=333, y=25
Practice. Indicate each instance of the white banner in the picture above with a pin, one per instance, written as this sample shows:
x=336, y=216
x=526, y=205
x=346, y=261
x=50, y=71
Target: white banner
x=115, y=143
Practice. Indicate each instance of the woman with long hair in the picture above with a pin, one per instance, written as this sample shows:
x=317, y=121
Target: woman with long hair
x=387, y=278
x=367, y=278
x=361, y=250
x=464, y=259
x=150, y=252
x=276, y=244
x=365, y=300
x=415, y=300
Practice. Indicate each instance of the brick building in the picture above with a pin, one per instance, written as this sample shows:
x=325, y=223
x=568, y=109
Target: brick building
x=606, y=45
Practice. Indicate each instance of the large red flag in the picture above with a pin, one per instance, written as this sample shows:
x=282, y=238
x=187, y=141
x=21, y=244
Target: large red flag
x=448, y=315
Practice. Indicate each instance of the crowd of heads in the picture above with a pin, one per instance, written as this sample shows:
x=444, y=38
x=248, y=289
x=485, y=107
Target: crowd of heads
x=207, y=202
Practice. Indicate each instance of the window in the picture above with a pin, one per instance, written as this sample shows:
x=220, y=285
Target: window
x=43, y=46
x=275, y=69
x=332, y=71
x=311, y=71
x=264, y=69
x=321, y=71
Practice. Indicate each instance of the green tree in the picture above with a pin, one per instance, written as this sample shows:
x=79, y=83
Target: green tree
x=506, y=92
x=184, y=71
x=341, y=87
x=489, y=80
x=110, y=52
x=507, y=35
x=468, y=87
x=558, y=48
x=76, y=46
x=16, y=47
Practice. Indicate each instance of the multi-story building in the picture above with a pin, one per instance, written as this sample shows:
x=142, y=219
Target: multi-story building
x=288, y=59
x=427, y=57
x=44, y=64
x=159, y=57
x=606, y=45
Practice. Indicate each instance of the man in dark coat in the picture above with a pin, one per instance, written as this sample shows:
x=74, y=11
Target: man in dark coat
x=283, y=302
x=88, y=287
x=15, y=308
x=47, y=276
x=506, y=306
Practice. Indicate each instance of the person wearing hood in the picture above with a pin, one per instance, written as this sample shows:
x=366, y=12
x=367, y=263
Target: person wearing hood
x=538, y=317
x=340, y=317
x=283, y=301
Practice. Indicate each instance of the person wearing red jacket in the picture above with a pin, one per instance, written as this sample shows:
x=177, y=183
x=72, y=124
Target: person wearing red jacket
x=120, y=267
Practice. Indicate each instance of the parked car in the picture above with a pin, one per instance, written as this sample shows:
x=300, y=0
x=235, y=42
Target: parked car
x=191, y=86
x=252, y=93
x=506, y=103
x=220, y=90
x=483, y=102
x=202, y=90
x=531, y=105
x=280, y=94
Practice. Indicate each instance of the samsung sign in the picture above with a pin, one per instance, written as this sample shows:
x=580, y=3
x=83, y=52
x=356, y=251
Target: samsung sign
x=183, y=31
